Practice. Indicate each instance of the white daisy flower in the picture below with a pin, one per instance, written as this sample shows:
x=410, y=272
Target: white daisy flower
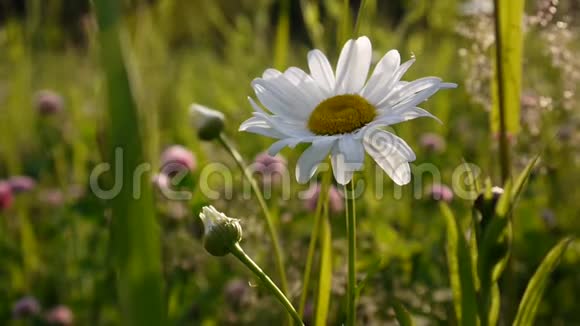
x=341, y=114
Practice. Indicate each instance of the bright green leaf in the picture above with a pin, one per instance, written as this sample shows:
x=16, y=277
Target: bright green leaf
x=510, y=21
x=403, y=316
x=135, y=239
x=460, y=271
x=325, y=278
x=521, y=180
x=537, y=285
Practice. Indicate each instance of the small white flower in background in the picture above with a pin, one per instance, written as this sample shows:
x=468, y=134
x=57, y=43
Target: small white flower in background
x=221, y=233
x=476, y=7
x=341, y=114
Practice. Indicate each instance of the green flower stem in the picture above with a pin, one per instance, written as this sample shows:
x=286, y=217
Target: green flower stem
x=271, y=228
x=504, y=150
x=246, y=260
x=351, y=236
x=322, y=198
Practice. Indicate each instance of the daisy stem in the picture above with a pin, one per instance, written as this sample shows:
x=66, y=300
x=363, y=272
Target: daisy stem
x=322, y=198
x=246, y=260
x=228, y=145
x=351, y=237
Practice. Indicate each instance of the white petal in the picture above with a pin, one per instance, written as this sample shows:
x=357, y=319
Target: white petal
x=265, y=131
x=347, y=157
x=340, y=170
x=389, y=84
x=271, y=73
x=391, y=153
x=321, y=70
x=304, y=82
x=255, y=105
x=284, y=97
x=410, y=89
x=274, y=99
x=312, y=156
x=279, y=145
x=353, y=66
x=383, y=72
x=287, y=127
x=415, y=99
x=391, y=117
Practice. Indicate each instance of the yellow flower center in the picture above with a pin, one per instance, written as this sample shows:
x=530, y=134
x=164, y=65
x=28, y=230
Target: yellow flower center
x=341, y=114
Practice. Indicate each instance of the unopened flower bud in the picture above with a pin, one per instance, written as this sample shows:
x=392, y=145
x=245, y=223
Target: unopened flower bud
x=221, y=233
x=440, y=192
x=177, y=158
x=209, y=123
x=432, y=143
x=486, y=206
x=25, y=307
x=49, y=102
x=21, y=183
x=335, y=199
x=60, y=315
x=6, y=196
x=270, y=169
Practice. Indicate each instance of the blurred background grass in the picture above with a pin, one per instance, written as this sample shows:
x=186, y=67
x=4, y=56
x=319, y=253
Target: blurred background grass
x=54, y=240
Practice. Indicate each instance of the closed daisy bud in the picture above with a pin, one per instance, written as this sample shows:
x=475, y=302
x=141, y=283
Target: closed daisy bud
x=486, y=205
x=21, y=183
x=432, y=143
x=177, y=158
x=440, y=192
x=49, y=102
x=25, y=307
x=221, y=233
x=6, y=196
x=60, y=315
x=209, y=123
x=335, y=199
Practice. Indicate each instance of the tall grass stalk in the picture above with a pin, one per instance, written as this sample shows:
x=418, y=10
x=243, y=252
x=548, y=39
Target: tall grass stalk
x=314, y=235
x=135, y=243
x=344, y=29
x=350, y=199
x=282, y=44
x=504, y=153
x=359, y=14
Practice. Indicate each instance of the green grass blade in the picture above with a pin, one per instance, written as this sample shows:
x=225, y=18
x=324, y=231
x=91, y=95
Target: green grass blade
x=402, y=314
x=522, y=179
x=460, y=271
x=510, y=54
x=537, y=285
x=345, y=28
x=135, y=245
x=282, y=45
x=495, y=305
x=325, y=278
